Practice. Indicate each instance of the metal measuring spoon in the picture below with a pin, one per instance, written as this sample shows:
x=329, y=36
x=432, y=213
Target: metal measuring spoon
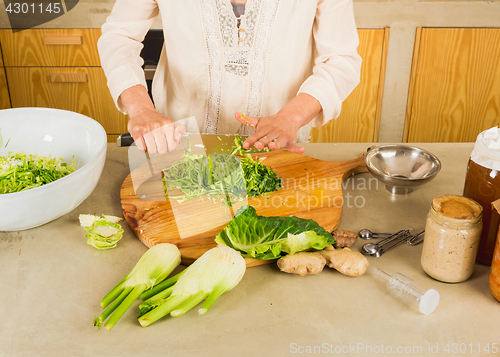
x=369, y=249
x=376, y=250
x=367, y=234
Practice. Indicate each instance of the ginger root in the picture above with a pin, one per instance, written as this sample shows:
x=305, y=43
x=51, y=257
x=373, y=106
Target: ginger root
x=302, y=263
x=344, y=260
x=344, y=238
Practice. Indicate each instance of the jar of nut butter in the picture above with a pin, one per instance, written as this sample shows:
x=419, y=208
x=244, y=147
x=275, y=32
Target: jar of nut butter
x=452, y=233
x=482, y=184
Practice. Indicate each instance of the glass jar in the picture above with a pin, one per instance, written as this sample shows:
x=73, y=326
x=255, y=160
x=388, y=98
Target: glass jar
x=482, y=184
x=494, y=279
x=452, y=233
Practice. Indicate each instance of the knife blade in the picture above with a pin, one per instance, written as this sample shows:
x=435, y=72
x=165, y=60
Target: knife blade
x=196, y=143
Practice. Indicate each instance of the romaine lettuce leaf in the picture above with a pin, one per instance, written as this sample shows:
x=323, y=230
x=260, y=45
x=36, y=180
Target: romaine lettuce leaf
x=271, y=237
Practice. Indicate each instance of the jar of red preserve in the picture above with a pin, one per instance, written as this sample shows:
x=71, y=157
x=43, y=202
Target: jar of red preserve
x=482, y=184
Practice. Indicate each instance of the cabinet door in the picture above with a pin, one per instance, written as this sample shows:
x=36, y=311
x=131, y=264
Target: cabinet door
x=79, y=89
x=4, y=90
x=50, y=47
x=455, y=87
x=360, y=116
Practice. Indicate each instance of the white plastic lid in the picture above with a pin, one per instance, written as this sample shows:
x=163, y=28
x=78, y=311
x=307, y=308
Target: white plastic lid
x=429, y=302
x=487, y=149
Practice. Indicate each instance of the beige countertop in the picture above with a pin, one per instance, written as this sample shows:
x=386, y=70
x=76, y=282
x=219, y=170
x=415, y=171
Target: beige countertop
x=51, y=284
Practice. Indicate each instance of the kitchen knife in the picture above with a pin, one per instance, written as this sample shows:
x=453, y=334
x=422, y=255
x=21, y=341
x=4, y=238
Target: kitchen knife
x=208, y=143
x=147, y=180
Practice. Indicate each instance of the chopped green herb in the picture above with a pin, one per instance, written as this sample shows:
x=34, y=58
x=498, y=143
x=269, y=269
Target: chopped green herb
x=20, y=172
x=219, y=175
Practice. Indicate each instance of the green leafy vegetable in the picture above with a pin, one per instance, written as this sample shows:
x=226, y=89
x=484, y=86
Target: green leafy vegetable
x=217, y=271
x=153, y=267
x=219, y=176
x=103, y=234
x=259, y=179
x=20, y=172
x=271, y=237
x=299, y=242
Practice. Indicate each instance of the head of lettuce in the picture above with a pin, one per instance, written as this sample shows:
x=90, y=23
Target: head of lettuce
x=267, y=238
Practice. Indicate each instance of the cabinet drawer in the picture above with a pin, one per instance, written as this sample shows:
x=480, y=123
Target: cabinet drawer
x=50, y=47
x=79, y=89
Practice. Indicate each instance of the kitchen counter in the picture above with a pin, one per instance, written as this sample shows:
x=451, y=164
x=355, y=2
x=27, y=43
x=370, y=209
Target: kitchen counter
x=51, y=284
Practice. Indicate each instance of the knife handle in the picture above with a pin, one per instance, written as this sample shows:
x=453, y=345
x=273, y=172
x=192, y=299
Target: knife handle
x=124, y=140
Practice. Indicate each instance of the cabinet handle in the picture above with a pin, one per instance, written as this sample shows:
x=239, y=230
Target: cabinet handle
x=62, y=40
x=68, y=77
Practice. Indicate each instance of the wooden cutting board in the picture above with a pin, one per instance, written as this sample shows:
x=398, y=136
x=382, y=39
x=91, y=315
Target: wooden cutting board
x=312, y=189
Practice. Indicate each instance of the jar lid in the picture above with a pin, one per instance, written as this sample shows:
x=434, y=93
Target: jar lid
x=487, y=149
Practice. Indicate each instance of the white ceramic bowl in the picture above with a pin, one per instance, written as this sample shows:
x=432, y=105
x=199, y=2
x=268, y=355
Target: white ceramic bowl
x=58, y=133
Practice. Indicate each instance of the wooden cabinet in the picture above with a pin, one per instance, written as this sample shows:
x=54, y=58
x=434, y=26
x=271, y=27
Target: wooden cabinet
x=455, y=85
x=60, y=68
x=360, y=116
x=79, y=89
x=50, y=47
x=4, y=90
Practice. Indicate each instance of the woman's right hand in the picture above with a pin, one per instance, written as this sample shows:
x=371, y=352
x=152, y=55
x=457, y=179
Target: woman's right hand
x=150, y=129
x=154, y=131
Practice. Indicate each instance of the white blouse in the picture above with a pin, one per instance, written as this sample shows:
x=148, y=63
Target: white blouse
x=209, y=68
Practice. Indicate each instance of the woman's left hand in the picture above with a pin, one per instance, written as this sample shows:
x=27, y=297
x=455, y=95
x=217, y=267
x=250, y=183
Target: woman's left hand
x=275, y=132
x=280, y=130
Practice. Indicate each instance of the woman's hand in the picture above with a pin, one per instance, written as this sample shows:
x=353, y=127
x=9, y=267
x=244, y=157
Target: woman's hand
x=275, y=132
x=154, y=131
x=280, y=130
x=150, y=129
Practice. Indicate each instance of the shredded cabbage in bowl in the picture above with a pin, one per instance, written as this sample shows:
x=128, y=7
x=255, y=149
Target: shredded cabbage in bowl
x=20, y=171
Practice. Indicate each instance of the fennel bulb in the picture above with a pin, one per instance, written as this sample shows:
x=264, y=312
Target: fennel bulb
x=153, y=267
x=217, y=271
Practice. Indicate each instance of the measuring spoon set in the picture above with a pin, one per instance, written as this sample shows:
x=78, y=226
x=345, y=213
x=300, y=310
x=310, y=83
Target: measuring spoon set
x=392, y=240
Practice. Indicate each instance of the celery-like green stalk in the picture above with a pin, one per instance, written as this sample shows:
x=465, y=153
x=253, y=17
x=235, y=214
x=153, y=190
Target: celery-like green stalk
x=153, y=267
x=161, y=286
x=155, y=301
x=215, y=272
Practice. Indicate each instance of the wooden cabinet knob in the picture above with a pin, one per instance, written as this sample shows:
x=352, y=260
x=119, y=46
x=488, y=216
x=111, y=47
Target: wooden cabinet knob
x=62, y=40
x=68, y=78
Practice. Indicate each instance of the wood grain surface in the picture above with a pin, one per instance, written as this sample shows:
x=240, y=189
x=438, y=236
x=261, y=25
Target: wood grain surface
x=312, y=189
x=31, y=86
x=27, y=47
x=4, y=90
x=456, y=86
x=360, y=116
